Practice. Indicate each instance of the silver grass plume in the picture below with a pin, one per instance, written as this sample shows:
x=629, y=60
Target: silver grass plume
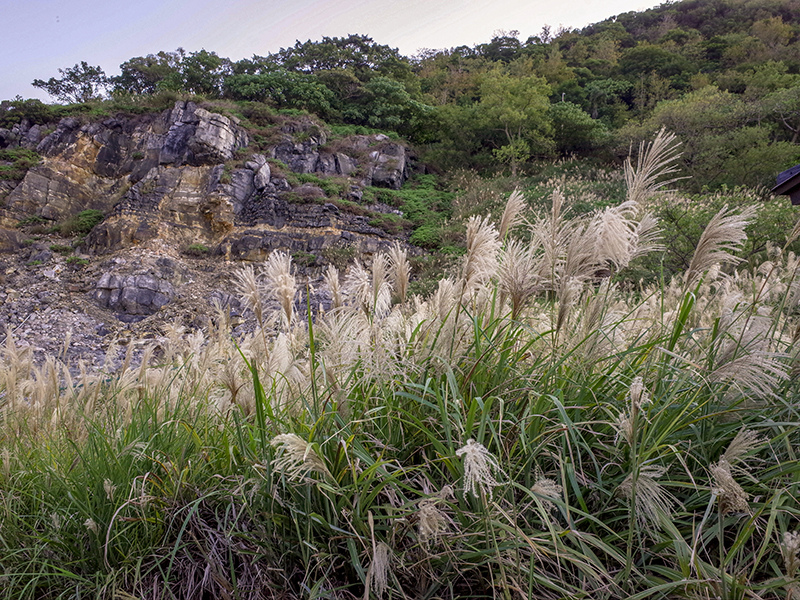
x=358, y=285
x=401, y=270
x=547, y=490
x=281, y=284
x=479, y=469
x=250, y=291
x=619, y=237
x=651, y=500
x=745, y=442
x=638, y=397
x=480, y=262
x=381, y=295
x=790, y=551
x=379, y=569
x=723, y=236
x=296, y=458
x=611, y=231
x=732, y=497
x=512, y=214
x=758, y=372
x=656, y=160
x=370, y=289
x=332, y=281
x=432, y=521
x=518, y=275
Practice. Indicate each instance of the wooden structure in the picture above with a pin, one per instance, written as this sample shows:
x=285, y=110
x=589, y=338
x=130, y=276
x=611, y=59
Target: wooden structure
x=788, y=184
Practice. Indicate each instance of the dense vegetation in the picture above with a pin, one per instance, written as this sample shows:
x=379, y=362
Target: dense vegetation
x=589, y=403
x=531, y=429
x=724, y=75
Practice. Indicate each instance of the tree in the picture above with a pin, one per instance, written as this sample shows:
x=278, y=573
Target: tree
x=574, y=130
x=602, y=92
x=79, y=83
x=283, y=89
x=148, y=74
x=203, y=73
x=516, y=108
x=356, y=53
x=784, y=107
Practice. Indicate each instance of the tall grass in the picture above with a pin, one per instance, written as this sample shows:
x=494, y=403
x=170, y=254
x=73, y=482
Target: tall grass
x=529, y=430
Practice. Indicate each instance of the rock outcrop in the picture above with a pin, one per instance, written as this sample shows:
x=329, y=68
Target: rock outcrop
x=188, y=176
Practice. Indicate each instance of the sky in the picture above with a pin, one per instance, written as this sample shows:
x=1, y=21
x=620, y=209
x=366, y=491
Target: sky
x=41, y=36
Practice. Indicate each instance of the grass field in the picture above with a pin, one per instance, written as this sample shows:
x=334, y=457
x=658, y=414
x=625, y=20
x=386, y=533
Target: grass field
x=532, y=429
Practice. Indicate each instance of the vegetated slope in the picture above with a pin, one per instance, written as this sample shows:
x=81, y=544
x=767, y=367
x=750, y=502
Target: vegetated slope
x=528, y=429
x=506, y=103
x=123, y=216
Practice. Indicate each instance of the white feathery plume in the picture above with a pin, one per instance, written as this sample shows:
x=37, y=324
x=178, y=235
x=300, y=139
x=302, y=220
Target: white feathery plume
x=401, y=270
x=381, y=291
x=432, y=521
x=745, y=441
x=723, y=236
x=732, y=497
x=518, y=275
x=281, y=284
x=651, y=499
x=656, y=160
x=790, y=551
x=296, y=458
x=547, y=490
x=480, y=262
x=331, y=277
x=512, y=214
x=249, y=290
x=479, y=469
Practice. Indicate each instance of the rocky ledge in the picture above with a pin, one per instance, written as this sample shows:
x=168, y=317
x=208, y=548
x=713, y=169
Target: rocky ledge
x=184, y=196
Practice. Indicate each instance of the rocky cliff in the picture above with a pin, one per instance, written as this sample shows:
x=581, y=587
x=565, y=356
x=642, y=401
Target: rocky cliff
x=187, y=181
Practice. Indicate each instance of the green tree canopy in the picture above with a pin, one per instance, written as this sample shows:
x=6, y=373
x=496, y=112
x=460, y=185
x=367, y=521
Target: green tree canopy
x=79, y=83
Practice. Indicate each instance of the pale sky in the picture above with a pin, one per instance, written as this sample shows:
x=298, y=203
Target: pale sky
x=41, y=36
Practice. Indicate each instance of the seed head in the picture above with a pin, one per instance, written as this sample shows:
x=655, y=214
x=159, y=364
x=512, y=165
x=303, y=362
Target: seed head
x=433, y=522
x=732, y=498
x=790, y=550
x=91, y=525
x=109, y=488
x=479, y=464
x=381, y=561
x=296, y=458
x=547, y=489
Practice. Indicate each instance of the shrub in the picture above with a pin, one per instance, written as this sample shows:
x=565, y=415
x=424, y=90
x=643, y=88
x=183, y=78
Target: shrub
x=21, y=160
x=303, y=258
x=81, y=223
x=61, y=248
x=340, y=255
x=196, y=250
x=76, y=261
x=31, y=220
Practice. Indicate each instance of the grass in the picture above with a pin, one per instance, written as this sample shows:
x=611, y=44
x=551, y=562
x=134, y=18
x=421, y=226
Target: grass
x=526, y=430
x=15, y=162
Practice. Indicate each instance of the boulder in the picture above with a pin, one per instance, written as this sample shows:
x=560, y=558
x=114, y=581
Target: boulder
x=389, y=166
x=139, y=293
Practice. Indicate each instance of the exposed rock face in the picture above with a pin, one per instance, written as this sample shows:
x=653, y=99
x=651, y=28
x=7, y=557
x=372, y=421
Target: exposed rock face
x=184, y=176
x=389, y=166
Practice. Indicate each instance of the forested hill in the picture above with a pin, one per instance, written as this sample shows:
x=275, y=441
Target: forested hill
x=724, y=75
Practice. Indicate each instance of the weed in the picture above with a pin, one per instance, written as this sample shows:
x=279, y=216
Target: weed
x=81, y=223
x=304, y=259
x=76, y=261
x=196, y=250
x=61, y=248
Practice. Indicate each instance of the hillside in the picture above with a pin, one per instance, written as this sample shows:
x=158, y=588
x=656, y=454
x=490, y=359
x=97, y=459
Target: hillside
x=518, y=320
